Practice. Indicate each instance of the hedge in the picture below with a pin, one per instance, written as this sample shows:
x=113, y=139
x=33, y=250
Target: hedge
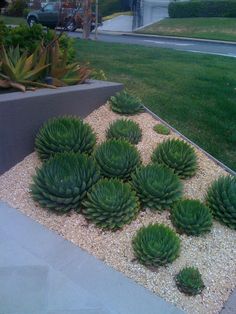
x=202, y=8
x=108, y=7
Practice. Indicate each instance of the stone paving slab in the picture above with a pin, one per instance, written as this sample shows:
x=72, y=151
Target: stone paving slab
x=42, y=273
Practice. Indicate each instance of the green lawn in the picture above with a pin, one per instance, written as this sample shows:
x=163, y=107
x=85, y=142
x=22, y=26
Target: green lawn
x=208, y=28
x=12, y=20
x=194, y=93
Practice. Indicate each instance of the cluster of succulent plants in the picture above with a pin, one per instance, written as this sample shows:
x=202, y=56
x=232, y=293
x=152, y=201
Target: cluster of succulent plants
x=117, y=158
x=191, y=217
x=221, y=199
x=64, y=134
x=125, y=103
x=189, y=281
x=157, y=186
x=156, y=245
x=63, y=181
x=161, y=129
x=111, y=204
x=126, y=130
x=177, y=155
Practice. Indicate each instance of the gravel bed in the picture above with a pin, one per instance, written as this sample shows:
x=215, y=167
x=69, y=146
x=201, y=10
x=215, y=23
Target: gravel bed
x=214, y=254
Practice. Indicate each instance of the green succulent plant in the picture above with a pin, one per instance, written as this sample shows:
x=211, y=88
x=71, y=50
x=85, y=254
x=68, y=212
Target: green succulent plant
x=64, y=134
x=157, y=186
x=161, y=129
x=156, y=245
x=126, y=130
x=125, y=103
x=117, y=158
x=189, y=281
x=111, y=204
x=63, y=181
x=177, y=155
x=191, y=217
x=221, y=199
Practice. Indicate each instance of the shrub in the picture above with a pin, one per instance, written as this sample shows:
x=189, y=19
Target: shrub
x=125, y=103
x=126, y=130
x=111, y=204
x=202, y=8
x=64, y=134
x=156, y=245
x=161, y=129
x=221, y=198
x=178, y=156
x=108, y=7
x=63, y=181
x=157, y=187
x=16, y=7
x=117, y=158
x=189, y=281
x=191, y=217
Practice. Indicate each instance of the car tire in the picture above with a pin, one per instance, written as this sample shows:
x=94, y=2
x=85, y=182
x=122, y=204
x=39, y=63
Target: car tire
x=70, y=26
x=92, y=27
x=31, y=21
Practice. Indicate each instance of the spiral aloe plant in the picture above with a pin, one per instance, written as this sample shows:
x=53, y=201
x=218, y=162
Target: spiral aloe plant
x=117, y=158
x=63, y=181
x=221, y=198
x=189, y=281
x=156, y=245
x=126, y=130
x=191, y=217
x=111, y=204
x=125, y=103
x=64, y=134
x=157, y=186
x=177, y=155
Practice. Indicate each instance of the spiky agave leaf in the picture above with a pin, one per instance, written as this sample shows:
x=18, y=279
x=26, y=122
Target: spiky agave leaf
x=63, y=134
x=125, y=129
x=157, y=186
x=125, y=103
x=156, y=245
x=63, y=181
x=221, y=198
x=189, y=281
x=178, y=156
x=191, y=217
x=117, y=158
x=111, y=204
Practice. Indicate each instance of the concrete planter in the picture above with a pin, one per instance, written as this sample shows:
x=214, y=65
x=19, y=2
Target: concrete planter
x=22, y=114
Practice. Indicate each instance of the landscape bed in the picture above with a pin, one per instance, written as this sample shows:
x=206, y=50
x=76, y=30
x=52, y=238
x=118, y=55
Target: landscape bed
x=213, y=253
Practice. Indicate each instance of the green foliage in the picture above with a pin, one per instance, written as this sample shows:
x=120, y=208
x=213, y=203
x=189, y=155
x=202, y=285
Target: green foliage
x=64, y=134
x=202, y=8
x=161, y=129
x=178, y=156
x=125, y=103
x=157, y=187
x=221, y=198
x=126, y=130
x=16, y=7
x=111, y=204
x=63, y=181
x=117, y=158
x=156, y=245
x=189, y=281
x=191, y=217
x=108, y=7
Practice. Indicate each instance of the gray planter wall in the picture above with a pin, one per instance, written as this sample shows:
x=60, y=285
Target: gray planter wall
x=22, y=114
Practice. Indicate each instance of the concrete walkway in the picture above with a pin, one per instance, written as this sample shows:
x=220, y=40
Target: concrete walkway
x=41, y=273
x=121, y=23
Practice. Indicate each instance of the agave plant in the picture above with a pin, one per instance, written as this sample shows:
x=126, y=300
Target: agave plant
x=156, y=245
x=177, y=155
x=126, y=130
x=157, y=187
x=189, y=281
x=111, y=204
x=63, y=181
x=64, y=134
x=221, y=198
x=117, y=158
x=191, y=217
x=125, y=103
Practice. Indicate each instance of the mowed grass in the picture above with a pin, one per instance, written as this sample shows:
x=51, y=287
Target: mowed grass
x=10, y=20
x=195, y=93
x=207, y=28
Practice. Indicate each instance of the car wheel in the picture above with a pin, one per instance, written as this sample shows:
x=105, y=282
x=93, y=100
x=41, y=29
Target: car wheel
x=71, y=26
x=31, y=21
x=92, y=27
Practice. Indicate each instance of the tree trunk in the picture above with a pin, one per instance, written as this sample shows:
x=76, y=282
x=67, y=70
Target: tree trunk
x=87, y=18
